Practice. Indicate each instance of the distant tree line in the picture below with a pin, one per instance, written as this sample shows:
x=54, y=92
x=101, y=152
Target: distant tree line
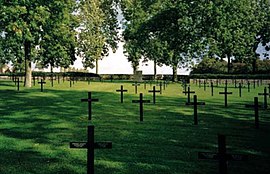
x=217, y=66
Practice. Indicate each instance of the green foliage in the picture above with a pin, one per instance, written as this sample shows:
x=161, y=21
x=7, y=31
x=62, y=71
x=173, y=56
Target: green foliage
x=39, y=27
x=210, y=65
x=98, y=31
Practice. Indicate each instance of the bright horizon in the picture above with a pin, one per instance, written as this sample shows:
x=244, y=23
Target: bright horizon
x=117, y=63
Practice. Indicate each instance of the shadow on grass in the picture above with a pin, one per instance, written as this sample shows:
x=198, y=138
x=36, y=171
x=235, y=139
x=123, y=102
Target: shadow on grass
x=36, y=129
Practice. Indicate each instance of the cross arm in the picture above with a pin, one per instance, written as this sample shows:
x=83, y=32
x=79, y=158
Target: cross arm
x=89, y=100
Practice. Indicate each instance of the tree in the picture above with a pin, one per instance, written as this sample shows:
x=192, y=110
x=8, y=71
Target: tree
x=24, y=24
x=57, y=47
x=231, y=28
x=98, y=31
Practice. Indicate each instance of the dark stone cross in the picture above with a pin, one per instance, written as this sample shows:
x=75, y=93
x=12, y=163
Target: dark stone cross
x=188, y=92
x=269, y=89
x=17, y=82
x=256, y=111
x=136, y=84
x=154, y=94
x=235, y=83
x=34, y=80
x=70, y=82
x=185, y=88
x=222, y=156
x=58, y=79
x=265, y=94
x=204, y=85
x=52, y=80
x=88, y=80
x=200, y=83
x=248, y=83
x=164, y=85
x=212, y=89
x=91, y=145
x=195, y=104
x=160, y=87
x=42, y=82
x=225, y=93
x=254, y=83
x=89, y=100
x=122, y=93
x=141, y=101
x=240, y=90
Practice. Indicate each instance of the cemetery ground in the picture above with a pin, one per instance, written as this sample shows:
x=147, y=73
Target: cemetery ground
x=36, y=129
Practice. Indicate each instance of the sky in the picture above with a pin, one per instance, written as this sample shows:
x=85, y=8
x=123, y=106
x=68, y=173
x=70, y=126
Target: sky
x=117, y=63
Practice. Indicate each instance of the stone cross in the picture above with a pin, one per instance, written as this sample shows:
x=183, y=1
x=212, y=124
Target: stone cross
x=188, y=92
x=41, y=84
x=256, y=111
x=222, y=156
x=265, y=94
x=136, y=84
x=195, y=104
x=225, y=93
x=89, y=100
x=240, y=90
x=212, y=89
x=91, y=145
x=122, y=92
x=17, y=81
x=154, y=94
x=141, y=101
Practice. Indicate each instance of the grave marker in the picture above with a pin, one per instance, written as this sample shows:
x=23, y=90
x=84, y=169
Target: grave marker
x=195, y=104
x=256, y=111
x=204, y=85
x=225, y=93
x=89, y=100
x=188, y=92
x=248, y=86
x=265, y=94
x=212, y=89
x=240, y=90
x=58, y=79
x=141, y=101
x=91, y=145
x=136, y=84
x=160, y=87
x=122, y=93
x=222, y=156
x=41, y=84
x=52, y=80
x=154, y=94
x=269, y=90
x=34, y=80
x=17, y=81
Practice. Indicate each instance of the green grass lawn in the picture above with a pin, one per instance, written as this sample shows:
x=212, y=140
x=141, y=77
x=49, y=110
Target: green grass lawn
x=36, y=128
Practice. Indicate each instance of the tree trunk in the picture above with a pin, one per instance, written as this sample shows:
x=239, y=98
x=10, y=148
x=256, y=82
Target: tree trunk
x=229, y=64
x=28, y=69
x=96, y=66
x=135, y=68
x=155, y=69
x=174, y=73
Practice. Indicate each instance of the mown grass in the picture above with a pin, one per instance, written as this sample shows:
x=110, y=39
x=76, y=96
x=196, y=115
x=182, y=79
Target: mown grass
x=36, y=128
